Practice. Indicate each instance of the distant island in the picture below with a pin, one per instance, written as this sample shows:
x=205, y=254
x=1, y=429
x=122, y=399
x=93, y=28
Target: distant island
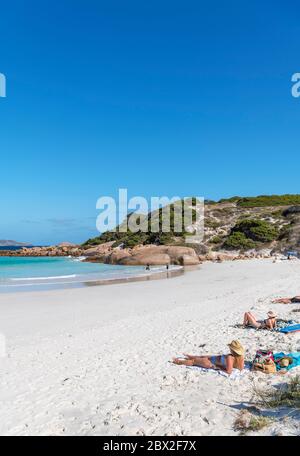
x=10, y=243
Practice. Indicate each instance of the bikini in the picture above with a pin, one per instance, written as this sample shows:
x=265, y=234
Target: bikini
x=263, y=324
x=222, y=361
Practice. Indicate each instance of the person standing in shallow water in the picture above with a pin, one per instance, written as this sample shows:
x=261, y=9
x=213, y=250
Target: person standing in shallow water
x=148, y=267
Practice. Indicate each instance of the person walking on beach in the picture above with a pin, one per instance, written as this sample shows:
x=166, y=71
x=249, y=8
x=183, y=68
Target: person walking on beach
x=234, y=360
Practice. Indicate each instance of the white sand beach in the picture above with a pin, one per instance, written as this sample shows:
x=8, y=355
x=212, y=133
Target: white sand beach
x=94, y=361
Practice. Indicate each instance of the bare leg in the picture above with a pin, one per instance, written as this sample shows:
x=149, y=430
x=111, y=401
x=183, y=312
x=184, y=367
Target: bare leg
x=249, y=319
x=201, y=361
x=282, y=301
x=246, y=320
x=183, y=362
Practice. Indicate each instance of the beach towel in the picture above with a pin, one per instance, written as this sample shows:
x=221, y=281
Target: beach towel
x=280, y=324
x=235, y=375
x=294, y=355
x=290, y=329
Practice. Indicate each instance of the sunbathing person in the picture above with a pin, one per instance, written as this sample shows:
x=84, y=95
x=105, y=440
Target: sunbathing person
x=294, y=300
x=269, y=323
x=233, y=360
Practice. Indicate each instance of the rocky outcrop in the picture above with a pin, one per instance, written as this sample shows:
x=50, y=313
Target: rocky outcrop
x=188, y=260
x=140, y=255
x=66, y=244
x=117, y=256
x=154, y=255
x=102, y=249
x=71, y=250
x=223, y=256
x=153, y=259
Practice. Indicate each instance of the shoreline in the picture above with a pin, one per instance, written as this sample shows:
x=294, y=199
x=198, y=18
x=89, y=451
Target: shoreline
x=95, y=360
x=174, y=271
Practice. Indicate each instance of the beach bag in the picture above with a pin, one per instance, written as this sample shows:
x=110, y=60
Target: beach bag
x=268, y=367
x=264, y=362
x=263, y=355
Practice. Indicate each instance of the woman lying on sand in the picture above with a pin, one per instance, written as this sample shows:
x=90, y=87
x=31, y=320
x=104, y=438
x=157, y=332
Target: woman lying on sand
x=234, y=360
x=294, y=300
x=269, y=323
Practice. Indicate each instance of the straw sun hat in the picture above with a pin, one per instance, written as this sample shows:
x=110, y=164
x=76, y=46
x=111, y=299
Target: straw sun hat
x=271, y=314
x=285, y=361
x=236, y=347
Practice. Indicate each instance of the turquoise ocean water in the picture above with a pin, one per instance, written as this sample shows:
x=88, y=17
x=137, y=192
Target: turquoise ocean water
x=21, y=272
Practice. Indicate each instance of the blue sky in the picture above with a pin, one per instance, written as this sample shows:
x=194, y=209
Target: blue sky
x=161, y=97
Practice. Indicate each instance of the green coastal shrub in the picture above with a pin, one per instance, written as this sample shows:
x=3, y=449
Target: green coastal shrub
x=285, y=231
x=284, y=395
x=216, y=240
x=238, y=241
x=276, y=214
x=263, y=200
x=233, y=199
x=269, y=200
x=248, y=233
x=257, y=230
x=210, y=223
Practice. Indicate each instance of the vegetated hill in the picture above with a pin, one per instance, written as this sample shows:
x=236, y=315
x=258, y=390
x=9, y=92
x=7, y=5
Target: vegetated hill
x=237, y=223
x=264, y=200
x=147, y=235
